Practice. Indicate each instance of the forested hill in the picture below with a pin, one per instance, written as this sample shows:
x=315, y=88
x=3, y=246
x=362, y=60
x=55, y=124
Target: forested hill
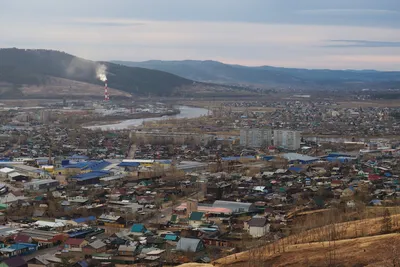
x=34, y=67
x=218, y=72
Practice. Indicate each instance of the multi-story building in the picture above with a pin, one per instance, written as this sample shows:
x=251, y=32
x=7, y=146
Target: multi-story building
x=255, y=137
x=287, y=139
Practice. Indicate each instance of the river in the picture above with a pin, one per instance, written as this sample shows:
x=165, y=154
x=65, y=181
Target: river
x=185, y=113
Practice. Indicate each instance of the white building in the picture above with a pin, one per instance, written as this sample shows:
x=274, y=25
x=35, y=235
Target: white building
x=258, y=226
x=255, y=137
x=288, y=139
x=45, y=116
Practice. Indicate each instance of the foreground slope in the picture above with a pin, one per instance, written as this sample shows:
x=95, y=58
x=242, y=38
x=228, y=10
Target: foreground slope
x=352, y=243
x=35, y=67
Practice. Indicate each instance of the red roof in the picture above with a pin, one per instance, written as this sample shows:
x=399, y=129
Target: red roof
x=21, y=238
x=74, y=241
x=373, y=177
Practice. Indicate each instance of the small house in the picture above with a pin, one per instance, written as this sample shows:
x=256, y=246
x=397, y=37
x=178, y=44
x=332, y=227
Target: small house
x=196, y=219
x=75, y=243
x=124, y=250
x=258, y=226
x=97, y=246
x=138, y=229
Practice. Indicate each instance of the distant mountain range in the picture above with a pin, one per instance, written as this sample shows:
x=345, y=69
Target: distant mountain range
x=20, y=67
x=217, y=72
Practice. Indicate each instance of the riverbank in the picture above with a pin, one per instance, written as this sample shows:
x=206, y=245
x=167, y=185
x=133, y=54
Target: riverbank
x=118, y=119
x=185, y=112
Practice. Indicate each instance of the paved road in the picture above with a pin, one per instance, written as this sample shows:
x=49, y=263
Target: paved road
x=167, y=211
x=161, y=216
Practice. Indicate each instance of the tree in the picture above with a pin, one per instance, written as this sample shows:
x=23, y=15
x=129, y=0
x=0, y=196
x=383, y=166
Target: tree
x=386, y=222
x=65, y=262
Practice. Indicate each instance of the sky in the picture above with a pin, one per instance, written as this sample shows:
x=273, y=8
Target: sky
x=335, y=34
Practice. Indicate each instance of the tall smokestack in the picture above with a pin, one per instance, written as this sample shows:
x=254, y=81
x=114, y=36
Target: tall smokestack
x=101, y=75
x=106, y=95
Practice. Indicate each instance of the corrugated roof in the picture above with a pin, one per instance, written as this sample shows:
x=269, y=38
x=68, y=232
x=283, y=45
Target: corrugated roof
x=84, y=219
x=74, y=241
x=91, y=175
x=97, y=244
x=129, y=164
x=188, y=244
x=138, y=228
x=196, y=216
x=299, y=157
x=234, y=206
x=258, y=222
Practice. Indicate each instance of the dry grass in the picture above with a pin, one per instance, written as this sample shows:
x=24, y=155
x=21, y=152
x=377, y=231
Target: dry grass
x=366, y=251
x=196, y=265
x=356, y=242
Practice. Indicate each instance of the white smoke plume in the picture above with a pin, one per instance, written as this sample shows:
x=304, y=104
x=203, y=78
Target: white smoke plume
x=101, y=71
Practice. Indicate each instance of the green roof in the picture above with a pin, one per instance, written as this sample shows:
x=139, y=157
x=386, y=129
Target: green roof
x=174, y=218
x=196, y=216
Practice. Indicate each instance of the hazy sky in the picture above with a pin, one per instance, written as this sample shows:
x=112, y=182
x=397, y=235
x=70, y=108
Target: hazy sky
x=340, y=34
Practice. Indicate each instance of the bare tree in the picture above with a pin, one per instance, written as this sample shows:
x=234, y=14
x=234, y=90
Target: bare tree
x=386, y=226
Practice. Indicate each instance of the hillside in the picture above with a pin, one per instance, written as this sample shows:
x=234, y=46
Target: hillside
x=24, y=68
x=213, y=71
x=352, y=243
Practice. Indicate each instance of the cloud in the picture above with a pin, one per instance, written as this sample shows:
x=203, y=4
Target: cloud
x=354, y=11
x=105, y=22
x=361, y=43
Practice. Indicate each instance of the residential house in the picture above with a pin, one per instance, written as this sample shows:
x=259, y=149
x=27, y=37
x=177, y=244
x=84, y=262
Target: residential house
x=258, y=226
x=14, y=262
x=18, y=249
x=21, y=238
x=190, y=245
x=124, y=250
x=171, y=237
x=75, y=243
x=97, y=246
x=106, y=219
x=138, y=229
x=196, y=219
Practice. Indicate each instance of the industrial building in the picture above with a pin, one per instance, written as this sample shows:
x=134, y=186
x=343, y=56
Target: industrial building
x=41, y=185
x=287, y=139
x=255, y=137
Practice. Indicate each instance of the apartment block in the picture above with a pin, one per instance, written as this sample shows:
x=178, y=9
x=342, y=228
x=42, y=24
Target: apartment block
x=287, y=139
x=255, y=137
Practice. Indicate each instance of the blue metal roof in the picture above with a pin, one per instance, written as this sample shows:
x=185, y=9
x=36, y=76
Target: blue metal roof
x=91, y=175
x=89, y=165
x=138, y=228
x=80, y=233
x=170, y=237
x=129, y=164
x=295, y=169
x=22, y=246
x=238, y=158
x=84, y=219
